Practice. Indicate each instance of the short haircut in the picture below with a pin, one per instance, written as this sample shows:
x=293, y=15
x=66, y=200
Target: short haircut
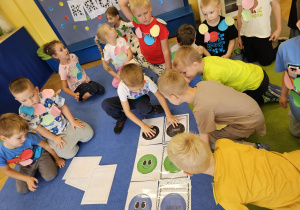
x=102, y=31
x=205, y=3
x=11, y=124
x=113, y=11
x=19, y=85
x=134, y=4
x=49, y=49
x=132, y=75
x=186, y=35
x=171, y=82
x=189, y=153
x=186, y=55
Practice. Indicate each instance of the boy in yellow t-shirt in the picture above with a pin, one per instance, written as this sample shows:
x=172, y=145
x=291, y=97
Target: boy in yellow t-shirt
x=239, y=178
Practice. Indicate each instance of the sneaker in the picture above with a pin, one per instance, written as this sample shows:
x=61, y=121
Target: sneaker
x=263, y=146
x=119, y=126
x=157, y=109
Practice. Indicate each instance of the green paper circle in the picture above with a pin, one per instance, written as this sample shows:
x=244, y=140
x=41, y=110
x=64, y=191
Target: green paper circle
x=121, y=56
x=75, y=27
x=169, y=166
x=296, y=98
x=173, y=55
x=135, y=19
x=119, y=33
x=297, y=83
x=147, y=164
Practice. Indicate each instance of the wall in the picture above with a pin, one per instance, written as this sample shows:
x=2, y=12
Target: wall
x=195, y=8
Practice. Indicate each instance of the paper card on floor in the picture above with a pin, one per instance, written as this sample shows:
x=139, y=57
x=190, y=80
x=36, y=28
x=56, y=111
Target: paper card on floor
x=168, y=169
x=100, y=184
x=142, y=195
x=147, y=163
x=81, y=184
x=158, y=125
x=183, y=126
x=82, y=167
x=174, y=194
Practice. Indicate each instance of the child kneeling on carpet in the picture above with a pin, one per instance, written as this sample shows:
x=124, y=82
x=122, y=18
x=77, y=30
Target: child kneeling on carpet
x=242, y=174
x=216, y=103
x=30, y=152
x=74, y=80
x=116, y=49
x=133, y=94
x=47, y=113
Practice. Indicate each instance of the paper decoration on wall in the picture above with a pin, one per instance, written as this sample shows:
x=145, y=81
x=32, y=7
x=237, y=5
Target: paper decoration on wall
x=77, y=10
x=63, y=25
x=51, y=9
x=87, y=28
x=246, y=14
x=203, y=28
x=229, y=21
x=222, y=25
x=92, y=8
x=154, y=31
x=247, y=4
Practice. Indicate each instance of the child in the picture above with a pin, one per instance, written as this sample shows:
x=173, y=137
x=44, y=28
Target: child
x=294, y=18
x=74, y=80
x=152, y=35
x=216, y=103
x=242, y=174
x=116, y=49
x=16, y=142
x=287, y=62
x=48, y=114
x=244, y=77
x=123, y=28
x=224, y=45
x=254, y=31
x=133, y=94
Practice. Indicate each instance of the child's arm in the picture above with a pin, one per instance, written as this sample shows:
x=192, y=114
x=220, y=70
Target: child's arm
x=203, y=51
x=66, y=111
x=230, y=49
x=170, y=118
x=277, y=13
x=110, y=70
x=59, y=142
x=68, y=91
x=17, y=175
x=145, y=128
x=60, y=162
x=284, y=94
x=129, y=56
x=205, y=138
x=239, y=26
x=166, y=52
x=125, y=9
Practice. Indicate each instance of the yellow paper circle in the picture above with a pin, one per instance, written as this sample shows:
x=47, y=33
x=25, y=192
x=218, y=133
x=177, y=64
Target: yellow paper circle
x=154, y=31
x=61, y=3
x=203, y=28
x=229, y=21
x=87, y=28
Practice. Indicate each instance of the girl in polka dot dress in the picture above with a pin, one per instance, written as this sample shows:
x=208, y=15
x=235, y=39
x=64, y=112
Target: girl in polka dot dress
x=74, y=80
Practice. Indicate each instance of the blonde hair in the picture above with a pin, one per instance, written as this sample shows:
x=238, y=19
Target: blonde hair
x=48, y=48
x=19, y=85
x=11, y=124
x=205, y=3
x=132, y=75
x=171, y=82
x=100, y=37
x=186, y=55
x=189, y=153
x=134, y=4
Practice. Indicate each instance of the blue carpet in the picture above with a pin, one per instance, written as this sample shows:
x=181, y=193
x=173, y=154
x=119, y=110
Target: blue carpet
x=114, y=149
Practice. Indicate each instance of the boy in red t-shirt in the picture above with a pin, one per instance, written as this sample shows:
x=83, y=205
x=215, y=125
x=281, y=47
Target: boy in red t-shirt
x=152, y=34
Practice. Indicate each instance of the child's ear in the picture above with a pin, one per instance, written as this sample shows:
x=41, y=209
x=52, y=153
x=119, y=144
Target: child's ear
x=118, y=17
x=3, y=138
x=195, y=64
x=37, y=89
x=173, y=97
x=220, y=7
x=54, y=56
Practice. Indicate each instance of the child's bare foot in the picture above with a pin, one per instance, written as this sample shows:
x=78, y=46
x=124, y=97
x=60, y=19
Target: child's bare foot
x=86, y=96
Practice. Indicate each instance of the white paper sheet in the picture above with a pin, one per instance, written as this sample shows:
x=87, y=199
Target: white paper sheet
x=158, y=122
x=81, y=184
x=183, y=119
x=91, y=7
x=100, y=185
x=103, y=5
x=77, y=10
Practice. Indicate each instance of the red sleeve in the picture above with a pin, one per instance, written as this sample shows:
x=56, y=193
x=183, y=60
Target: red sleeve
x=164, y=33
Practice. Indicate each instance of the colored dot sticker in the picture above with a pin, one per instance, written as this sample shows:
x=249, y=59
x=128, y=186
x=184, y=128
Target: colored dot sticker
x=79, y=76
x=214, y=36
x=161, y=21
x=26, y=162
x=296, y=98
x=169, y=166
x=154, y=31
x=27, y=110
x=78, y=66
x=87, y=28
x=61, y=3
x=99, y=16
x=135, y=19
x=247, y=15
x=88, y=17
x=48, y=93
x=288, y=82
x=66, y=17
x=51, y=9
x=173, y=201
x=39, y=109
x=75, y=27
x=63, y=25
x=121, y=56
x=47, y=119
x=119, y=33
x=206, y=37
x=229, y=21
x=160, y=2
x=222, y=26
x=99, y=24
x=140, y=202
x=203, y=28
x=55, y=111
x=138, y=33
x=74, y=72
x=149, y=40
x=247, y=4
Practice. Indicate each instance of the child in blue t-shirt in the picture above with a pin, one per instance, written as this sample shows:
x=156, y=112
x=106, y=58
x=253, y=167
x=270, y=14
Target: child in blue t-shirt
x=28, y=151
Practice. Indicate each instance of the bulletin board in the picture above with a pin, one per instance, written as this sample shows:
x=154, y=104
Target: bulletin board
x=77, y=20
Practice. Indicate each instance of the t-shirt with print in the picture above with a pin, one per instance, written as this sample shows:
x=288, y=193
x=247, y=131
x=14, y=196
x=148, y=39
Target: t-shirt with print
x=288, y=54
x=219, y=47
x=115, y=52
x=125, y=30
x=55, y=125
x=73, y=73
x=31, y=142
x=259, y=25
x=152, y=53
x=125, y=93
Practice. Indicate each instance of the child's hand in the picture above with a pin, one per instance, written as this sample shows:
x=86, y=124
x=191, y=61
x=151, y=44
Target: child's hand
x=283, y=101
x=172, y=120
x=225, y=56
x=77, y=124
x=30, y=183
x=118, y=77
x=77, y=96
x=275, y=35
x=240, y=43
x=147, y=130
x=59, y=141
x=60, y=162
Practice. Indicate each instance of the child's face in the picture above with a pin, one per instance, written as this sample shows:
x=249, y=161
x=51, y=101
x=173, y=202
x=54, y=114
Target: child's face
x=111, y=34
x=188, y=72
x=211, y=14
x=30, y=97
x=112, y=20
x=143, y=14
x=61, y=52
x=15, y=140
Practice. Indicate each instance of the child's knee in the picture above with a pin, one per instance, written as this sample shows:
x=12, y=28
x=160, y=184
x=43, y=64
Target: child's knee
x=50, y=175
x=22, y=186
x=68, y=154
x=89, y=133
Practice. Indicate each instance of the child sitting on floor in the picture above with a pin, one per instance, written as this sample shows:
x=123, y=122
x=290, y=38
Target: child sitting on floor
x=28, y=151
x=133, y=94
x=123, y=28
x=74, y=80
x=116, y=49
x=47, y=113
x=242, y=174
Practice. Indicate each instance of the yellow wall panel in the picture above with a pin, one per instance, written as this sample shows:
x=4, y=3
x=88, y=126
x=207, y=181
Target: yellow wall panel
x=195, y=8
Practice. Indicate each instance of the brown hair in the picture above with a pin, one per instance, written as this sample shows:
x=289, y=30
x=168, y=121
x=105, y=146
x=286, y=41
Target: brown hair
x=20, y=84
x=48, y=48
x=113, y=11
x=11, y=123
x=186, y=35
x=132, y=75
x=186, y=55
x=134, y=4
x=205, y=3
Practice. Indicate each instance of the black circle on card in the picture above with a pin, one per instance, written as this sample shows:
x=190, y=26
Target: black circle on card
x=156, y=129
x=171, y=131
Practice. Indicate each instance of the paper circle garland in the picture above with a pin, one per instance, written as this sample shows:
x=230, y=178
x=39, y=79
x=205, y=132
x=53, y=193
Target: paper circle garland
x=222, y=25
x=206, y=37
x=154, y=31
x=160, y=2
x=203, y=28
x=247, y=4
x=27, y=110
x=63, y=25
x=39, y=109
x=214, y=36
x=47, y=119
x=48, y=93
x=149, y=40
x=229, y=21
x=75, y=27
x=288, y=82
x=87, y=28
x=138, y=33
x=247, y=15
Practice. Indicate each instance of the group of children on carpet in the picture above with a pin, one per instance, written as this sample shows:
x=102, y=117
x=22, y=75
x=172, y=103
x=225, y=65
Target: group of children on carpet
x=230, y=94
